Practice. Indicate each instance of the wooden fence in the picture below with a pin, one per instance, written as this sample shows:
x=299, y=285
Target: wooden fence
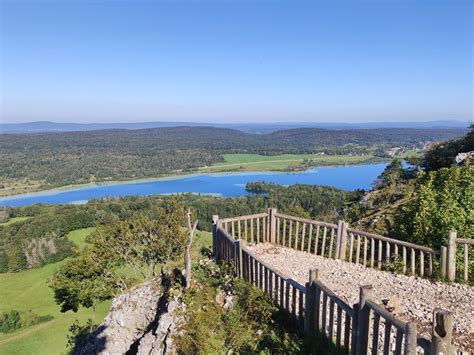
x=339, y=241
x=362, y=328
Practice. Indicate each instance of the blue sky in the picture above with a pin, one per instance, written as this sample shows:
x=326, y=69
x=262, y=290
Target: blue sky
x=236, y=61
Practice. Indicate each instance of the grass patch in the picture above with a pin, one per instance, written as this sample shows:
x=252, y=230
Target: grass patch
x=28, y=290
x=248, y=162
x=410, y=153
x=79, y=236
x=14, y=220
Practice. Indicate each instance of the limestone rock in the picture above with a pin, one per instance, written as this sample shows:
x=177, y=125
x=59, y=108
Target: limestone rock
x=159, y=340
x=139, y=321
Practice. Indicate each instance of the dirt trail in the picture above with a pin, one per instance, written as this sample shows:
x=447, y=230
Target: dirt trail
x=28, y=332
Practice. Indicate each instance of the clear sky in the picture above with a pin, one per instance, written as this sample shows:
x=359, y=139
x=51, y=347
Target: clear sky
x=236, y=61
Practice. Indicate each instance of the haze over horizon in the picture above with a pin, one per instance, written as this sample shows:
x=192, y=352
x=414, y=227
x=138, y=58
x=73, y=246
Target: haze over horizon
x=236, y=62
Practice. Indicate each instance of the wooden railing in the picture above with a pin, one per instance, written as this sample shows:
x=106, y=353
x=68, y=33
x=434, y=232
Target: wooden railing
x=468, y=260
x=355, y=329
x=306, y=235
x=376, y=251
x=252, y=228
x=339, y=241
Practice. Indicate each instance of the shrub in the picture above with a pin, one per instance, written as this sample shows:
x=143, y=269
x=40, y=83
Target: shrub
x=10, y=321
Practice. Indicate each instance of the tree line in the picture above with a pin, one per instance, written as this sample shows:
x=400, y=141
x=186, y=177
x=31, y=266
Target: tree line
x=42, y=239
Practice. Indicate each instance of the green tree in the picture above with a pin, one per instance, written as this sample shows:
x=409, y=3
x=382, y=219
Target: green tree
x=83, y=281
x=144, y=240
x=443, y=200
x=16, y=260
x=3, y=262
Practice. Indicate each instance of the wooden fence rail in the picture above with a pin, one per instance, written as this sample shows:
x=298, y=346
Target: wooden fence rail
x=467, y=257
x=339, y=241
x=362, y=328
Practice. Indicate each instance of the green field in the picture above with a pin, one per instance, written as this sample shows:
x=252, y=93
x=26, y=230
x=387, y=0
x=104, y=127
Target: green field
x=28, y=290
x=79, y=236
x=280, y=162
x=14, y=220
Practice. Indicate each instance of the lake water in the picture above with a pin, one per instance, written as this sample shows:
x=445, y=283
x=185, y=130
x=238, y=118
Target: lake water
x=349, y=177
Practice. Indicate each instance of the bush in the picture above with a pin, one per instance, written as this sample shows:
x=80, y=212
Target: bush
x=13, y=320
x=10, y=321
x=248, y=326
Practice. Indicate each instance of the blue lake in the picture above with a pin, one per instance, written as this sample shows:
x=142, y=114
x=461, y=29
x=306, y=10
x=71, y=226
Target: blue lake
x=349, y=177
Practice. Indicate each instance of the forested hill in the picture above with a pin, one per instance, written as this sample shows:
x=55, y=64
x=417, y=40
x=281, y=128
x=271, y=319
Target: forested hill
x=300, y=140
x=47, y=160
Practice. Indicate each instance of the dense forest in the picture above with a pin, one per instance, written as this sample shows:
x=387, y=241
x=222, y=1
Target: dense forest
x=56, y=159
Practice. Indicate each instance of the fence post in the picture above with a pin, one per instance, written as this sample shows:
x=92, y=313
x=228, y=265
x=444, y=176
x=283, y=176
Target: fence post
x=338, y=239
x=363, y=320
x=355, y=328
x=310, y=299
x=442, y=332
x=343, y=241
x=451, y=257
x=442, y=264
x=215, y=220
x=410, y=339
x=272, y=224
x=238, y=258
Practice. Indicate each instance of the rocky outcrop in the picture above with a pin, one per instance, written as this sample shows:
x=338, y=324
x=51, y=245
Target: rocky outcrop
x=139, y=322
x=158, y=340
x=37, y=250
x=464, y=158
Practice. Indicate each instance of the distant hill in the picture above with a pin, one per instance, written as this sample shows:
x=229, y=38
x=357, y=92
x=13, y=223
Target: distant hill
x=43, y=160
x=223, y=140
x=46, y=126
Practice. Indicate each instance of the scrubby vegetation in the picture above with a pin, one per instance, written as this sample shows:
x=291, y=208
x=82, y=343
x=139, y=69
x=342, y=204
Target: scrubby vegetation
x=422, y=202
x=247, y=322
x=441, y=201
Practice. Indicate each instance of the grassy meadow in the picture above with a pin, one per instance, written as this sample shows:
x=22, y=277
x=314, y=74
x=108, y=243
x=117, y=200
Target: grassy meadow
x=249, y=162
x=28, y=290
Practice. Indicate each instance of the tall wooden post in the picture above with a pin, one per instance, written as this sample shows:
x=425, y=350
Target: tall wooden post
x=410, y=339
x=343, y=240
x=442, y=333
x=310, y=322
x=363, y=320
x=451, y=257
x=238, y=258
x=338, y=239
x=355, y=327
x=443, y=262
x=272, y=224
x=215, y=220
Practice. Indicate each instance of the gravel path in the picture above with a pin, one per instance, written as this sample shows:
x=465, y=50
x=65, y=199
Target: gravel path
x=414, y=298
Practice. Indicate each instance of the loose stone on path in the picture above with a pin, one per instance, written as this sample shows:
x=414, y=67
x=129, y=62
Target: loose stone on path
x=409, y=298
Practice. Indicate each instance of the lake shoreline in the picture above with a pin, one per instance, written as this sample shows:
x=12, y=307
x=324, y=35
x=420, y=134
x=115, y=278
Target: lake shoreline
x=174, y=176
